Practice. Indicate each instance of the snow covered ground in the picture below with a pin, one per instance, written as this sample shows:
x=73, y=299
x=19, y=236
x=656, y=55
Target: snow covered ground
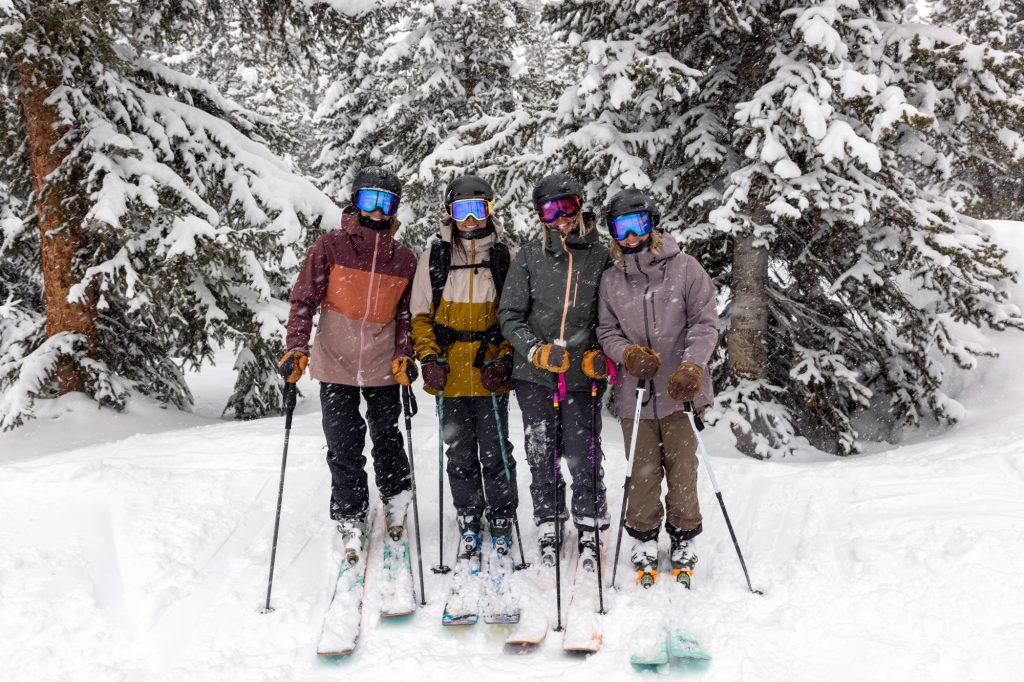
x=135, y=547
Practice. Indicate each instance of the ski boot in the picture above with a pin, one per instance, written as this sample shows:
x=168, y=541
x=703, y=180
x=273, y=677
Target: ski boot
x=501, y=536
x=683, y=561
x=645, y=562
x=394, y=514
x=548, y=542
x=468, y=559
x=352, y=531
x=587, y=546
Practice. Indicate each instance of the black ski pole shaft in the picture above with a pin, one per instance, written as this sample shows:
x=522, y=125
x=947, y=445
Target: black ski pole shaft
x=441, y=567
x=698, y=425
x=508, y=476
x=593, y=465
x=289, y=410
x=558, y=526
x=407, y=408
x=519, y=537
x=629, y=476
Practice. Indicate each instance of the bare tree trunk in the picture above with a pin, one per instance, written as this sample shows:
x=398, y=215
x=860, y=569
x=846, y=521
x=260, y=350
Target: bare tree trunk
x=747, y=342
x=59, y=236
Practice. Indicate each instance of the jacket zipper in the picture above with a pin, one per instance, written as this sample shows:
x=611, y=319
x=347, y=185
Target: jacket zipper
x=366, y=315
x=647, y=329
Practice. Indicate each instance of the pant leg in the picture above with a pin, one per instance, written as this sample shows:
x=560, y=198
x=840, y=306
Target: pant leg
x=643, y=508
x=577, y=420
x=501, y=491
x=390, y=463
x=461, y=439
x=539, y=438
x=684, y=517
x=345, y=431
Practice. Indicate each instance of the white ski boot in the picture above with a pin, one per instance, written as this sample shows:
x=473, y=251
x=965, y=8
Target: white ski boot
x=395, y=510
x=645, y=562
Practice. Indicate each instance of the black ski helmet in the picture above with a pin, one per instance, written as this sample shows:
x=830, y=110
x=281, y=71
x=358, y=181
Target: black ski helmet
x=468, y=187
x=557, y=185
x=631, y=201
x=375, y=177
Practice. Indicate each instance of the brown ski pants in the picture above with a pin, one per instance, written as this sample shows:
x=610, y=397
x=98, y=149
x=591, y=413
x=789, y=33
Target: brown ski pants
x=665, y=448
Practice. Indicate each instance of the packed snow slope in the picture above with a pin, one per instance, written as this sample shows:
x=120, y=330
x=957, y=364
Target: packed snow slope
x=135, y=547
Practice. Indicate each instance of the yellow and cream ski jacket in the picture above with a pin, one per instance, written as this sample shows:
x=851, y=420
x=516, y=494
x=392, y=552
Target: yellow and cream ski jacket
x=469, y=303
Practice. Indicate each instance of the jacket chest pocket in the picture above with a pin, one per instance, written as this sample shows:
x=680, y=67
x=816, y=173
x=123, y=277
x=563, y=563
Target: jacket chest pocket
x=385, y=293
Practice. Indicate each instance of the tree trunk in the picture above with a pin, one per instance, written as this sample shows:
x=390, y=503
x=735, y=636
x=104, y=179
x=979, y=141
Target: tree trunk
x=747, y=342
x=59, y=234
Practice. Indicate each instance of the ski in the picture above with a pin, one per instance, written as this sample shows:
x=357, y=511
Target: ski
x=535, y=585
x=682, y=646
x=501, y=607
x=344, y=614
x=397, y=595
x=651, y=652
x=583, y=622
x=462, y=607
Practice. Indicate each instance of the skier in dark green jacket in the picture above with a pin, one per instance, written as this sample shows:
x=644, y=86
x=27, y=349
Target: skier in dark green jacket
x=548, y=311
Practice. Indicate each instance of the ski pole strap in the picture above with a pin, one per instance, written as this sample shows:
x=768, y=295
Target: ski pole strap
x=613, y=375
x=561, y=386
x=412, y=402
x=636, y=428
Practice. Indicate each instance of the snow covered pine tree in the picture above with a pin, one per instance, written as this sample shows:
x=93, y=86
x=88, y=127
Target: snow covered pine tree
x=446, y=64
x=166, y=223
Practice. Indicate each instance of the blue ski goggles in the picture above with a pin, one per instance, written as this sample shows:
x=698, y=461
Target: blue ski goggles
x=463, y=208
x=639, y=224
x=370, y=200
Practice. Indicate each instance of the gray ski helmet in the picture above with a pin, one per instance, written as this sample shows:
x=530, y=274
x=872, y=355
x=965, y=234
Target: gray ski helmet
x=468, y=187
x=375, y=177
x=631, y=201
x=557, y=185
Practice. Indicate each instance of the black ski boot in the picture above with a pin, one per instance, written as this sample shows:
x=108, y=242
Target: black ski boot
x=469, y=542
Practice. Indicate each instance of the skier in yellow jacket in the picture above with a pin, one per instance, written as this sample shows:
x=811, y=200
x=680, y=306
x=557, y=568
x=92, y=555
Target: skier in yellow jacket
x=467, y=363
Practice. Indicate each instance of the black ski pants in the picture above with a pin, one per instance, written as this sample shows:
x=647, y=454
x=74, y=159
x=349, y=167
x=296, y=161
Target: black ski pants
x=345, y=430
x=476, y=472
x=539, y=427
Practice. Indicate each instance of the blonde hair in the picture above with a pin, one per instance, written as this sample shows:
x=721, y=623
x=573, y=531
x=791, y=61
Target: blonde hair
x=656, y=242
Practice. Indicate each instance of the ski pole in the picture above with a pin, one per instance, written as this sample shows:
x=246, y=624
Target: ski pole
x=508, y=476
x=697, y=424
x=593, y=466
x=629, y=475
x=558, y=526
x=441, y=567
x=409, y=407
x=289, y=407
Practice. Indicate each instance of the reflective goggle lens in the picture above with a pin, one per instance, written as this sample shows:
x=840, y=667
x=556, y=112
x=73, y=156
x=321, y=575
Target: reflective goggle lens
x=463, y=208
x=632, y=223
x=550, y=210
x=370, y=200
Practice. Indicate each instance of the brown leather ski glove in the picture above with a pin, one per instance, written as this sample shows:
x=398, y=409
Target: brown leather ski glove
x=292, y=365
x=641, y=361
x=405, y=371
x=684, y=382
x=552, y=357
x=595, y=364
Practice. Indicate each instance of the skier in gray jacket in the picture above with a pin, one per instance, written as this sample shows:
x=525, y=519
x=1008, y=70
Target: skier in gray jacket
x=657, y=318
x=548, y=312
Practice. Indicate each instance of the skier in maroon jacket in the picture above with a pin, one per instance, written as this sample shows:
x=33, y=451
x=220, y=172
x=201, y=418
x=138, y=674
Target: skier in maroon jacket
x=359, y=279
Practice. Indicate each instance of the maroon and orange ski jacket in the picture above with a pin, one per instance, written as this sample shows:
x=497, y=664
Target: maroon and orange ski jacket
x=360, y=280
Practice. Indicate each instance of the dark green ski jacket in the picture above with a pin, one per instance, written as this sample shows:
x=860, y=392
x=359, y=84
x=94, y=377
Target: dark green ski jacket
x=540, y=289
